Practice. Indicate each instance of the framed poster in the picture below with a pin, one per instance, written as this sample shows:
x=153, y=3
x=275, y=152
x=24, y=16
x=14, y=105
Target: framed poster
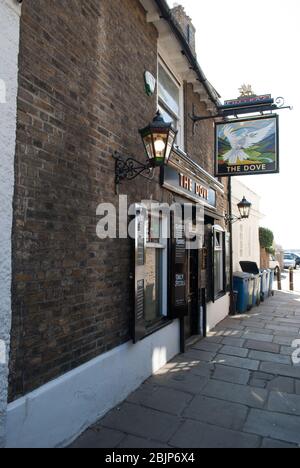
x=247, y=147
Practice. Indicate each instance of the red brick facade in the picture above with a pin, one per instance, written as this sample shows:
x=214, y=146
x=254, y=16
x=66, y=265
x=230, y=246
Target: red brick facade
x=81, y=97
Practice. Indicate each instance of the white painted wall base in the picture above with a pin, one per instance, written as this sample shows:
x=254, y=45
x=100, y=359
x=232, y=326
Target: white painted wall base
x=55, y=414
x=218, y=311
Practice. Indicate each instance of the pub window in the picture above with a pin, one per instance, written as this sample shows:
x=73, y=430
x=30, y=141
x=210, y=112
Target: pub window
x=219, y=262
x=170, y=100
x=155, y=270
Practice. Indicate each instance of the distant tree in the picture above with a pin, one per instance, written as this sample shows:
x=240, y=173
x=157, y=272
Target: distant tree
x=266, y=238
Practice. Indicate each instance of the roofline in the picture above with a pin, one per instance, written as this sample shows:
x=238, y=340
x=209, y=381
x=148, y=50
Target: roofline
x=167, y=15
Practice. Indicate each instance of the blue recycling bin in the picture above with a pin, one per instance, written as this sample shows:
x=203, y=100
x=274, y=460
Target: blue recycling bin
x=257, y=290
x=265, y=279
x=242, y=284
x=251, y=288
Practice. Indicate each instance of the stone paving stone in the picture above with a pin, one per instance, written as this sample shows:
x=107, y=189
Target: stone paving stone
x=287, y=351
x=98, y=438
x=283, y=328
x=261, y=331
x=233, y=361
x=160, y=398
x=284, y=403
x=258, y=383
x=254, y=324
x=234, y=351
x=194, y=434
x=142, y=422
x=204, y=369
x=201, y=356
x=249, y=396
x=237, y=342
x=283, y=340
x=262, y=346
x=185, y=381
x=234, y=326
x=282, y=384
x=231, y=375
x=166, y=368
x=229, y=333
x=270, y=357
x=216, y=412
x=214, y=339
x=138, y=443
x=282, y=320
x=262, y=376
x=258, y=337
x=280, y=369
x=276, y=444
x=206, y=345
x=274, y=425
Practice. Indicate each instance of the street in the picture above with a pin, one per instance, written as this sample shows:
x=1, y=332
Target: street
x=238, y=388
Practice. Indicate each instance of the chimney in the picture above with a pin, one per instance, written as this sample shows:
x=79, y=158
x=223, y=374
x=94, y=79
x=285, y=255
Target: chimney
x=186, y=25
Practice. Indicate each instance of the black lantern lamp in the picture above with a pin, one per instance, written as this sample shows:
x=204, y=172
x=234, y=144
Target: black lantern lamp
x=244, y=208
x=158, y=139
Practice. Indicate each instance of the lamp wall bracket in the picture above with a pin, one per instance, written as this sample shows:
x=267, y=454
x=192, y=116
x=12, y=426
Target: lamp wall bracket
x=130, y=168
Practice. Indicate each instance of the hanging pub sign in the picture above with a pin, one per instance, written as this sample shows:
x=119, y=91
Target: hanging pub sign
x=247, y=147
x=249, y=100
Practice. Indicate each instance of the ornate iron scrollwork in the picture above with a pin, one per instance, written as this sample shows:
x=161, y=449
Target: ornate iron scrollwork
x=130, y=168
x=280, y=101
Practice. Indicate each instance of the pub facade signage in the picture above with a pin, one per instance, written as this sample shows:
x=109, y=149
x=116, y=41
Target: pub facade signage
x=189, y=187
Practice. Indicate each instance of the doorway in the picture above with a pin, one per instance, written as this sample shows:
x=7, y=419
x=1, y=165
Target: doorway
x=191, y=324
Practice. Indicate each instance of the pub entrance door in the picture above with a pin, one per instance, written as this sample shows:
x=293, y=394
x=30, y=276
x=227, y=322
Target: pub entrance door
x=191, y=323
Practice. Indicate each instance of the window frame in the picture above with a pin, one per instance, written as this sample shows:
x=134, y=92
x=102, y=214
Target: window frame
x=163, y=246
x=222, y=248
x=161, y=61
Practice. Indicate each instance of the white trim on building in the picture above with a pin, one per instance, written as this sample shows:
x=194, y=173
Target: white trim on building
x=55, y=414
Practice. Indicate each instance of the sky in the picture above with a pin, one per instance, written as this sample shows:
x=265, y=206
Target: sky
x=258, y=43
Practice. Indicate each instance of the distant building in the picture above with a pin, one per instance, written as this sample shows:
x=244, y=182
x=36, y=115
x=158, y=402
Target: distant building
x=246, y=245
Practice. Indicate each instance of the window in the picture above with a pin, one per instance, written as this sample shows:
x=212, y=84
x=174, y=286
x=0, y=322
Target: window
x=219, y=261
x=155, y=270
x=170, y=100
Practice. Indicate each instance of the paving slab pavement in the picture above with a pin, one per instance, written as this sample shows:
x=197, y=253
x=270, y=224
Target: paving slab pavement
x=237, y=388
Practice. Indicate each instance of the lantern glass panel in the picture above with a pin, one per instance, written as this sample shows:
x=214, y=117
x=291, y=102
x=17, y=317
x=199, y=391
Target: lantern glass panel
x=148, y=142
x=171, y=139
x=160, y=144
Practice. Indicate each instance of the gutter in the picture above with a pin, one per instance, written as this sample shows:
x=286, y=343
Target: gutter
x=186, y=50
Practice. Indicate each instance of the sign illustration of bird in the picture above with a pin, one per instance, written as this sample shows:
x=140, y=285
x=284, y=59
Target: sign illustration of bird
x=242, y=140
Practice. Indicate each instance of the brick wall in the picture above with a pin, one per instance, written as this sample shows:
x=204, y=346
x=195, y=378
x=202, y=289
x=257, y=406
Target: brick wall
x=200, y=141
x=81, y=97
x=264, y=258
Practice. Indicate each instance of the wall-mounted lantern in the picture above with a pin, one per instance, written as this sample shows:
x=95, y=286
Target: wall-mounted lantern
x=158, y=139
x=244, y=208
